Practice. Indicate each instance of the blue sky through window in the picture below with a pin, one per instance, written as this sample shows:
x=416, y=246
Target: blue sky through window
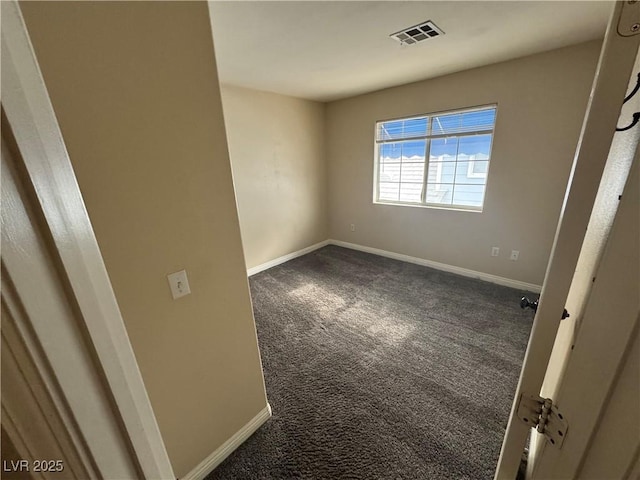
x=414, y=149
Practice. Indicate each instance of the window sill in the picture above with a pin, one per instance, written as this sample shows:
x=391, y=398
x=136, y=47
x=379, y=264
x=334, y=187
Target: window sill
x=452, y=208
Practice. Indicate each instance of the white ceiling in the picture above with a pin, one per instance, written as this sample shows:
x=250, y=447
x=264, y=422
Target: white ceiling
x=325, y=50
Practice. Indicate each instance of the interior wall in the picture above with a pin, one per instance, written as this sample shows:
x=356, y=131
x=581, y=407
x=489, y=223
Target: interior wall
x=541, y=104
x=276, y=144
x=135, y=89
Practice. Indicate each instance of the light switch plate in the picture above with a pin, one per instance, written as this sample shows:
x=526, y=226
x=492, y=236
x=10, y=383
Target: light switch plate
x=179, y=284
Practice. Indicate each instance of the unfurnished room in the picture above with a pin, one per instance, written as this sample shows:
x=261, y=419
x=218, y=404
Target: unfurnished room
x=320, y=240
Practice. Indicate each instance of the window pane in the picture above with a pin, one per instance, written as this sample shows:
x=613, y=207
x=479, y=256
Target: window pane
x=399, y=129
x=390, y=152
x=439, y=193
x=444, y=149
x=415, y=127
x=410, y=192
x=463, y=122
x=389, y=172
x=413, y=172
x=479, y=120
x=434, y=172
x=474, y=172
x=468, y=195
x=475, y=147
x=388, y=191
x=389, y=130
x=441, y=172
x=443, y=124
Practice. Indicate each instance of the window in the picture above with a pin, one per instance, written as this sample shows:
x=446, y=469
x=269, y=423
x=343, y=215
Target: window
x=438, y=160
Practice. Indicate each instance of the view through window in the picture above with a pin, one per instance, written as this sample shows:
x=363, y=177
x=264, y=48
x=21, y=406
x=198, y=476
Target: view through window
x=435, y=160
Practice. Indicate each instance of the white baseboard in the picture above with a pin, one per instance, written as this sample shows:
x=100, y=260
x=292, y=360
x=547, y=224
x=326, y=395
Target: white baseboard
x=285, y=258
x=217, y=457
x=508, y=282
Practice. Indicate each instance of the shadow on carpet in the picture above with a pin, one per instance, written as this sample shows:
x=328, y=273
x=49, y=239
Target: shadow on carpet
x=380, y=369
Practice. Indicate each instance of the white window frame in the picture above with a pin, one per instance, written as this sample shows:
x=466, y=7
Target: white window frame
x=428, y=137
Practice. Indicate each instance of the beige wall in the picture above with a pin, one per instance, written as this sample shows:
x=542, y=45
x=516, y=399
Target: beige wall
x=135, y=90
x=276, y=145
x=541, y=103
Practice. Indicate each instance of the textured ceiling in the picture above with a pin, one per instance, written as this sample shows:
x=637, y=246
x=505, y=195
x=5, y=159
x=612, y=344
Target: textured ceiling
x=325, y=50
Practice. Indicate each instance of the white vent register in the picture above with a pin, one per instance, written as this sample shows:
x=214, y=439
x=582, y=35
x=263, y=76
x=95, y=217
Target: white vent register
x=417, y=33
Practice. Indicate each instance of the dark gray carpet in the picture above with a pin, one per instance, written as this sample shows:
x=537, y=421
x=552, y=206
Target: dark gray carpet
x=380, y=369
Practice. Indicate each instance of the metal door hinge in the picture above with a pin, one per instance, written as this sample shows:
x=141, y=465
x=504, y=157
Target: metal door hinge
x=629, y=21
x=541, y=414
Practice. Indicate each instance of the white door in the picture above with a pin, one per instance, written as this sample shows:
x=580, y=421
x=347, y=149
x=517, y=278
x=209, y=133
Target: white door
x=600, y=390
x=610, y=86
x=54, y=404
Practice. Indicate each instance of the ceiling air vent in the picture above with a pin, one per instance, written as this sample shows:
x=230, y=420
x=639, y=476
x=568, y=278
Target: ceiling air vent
x=417, y=33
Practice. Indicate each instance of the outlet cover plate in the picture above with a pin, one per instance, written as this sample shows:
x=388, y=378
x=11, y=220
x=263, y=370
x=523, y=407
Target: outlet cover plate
x=179, y=284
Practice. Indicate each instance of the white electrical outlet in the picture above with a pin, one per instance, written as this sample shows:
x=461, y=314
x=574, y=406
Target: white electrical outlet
x=495, y=251
x=353, y=227
x=514, y=255
x=179, y=284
